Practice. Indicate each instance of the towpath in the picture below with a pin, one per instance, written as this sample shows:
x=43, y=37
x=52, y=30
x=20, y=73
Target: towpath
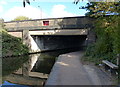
x=69, y=70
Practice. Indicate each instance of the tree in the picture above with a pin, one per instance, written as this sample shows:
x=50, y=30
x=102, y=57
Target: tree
x=107, y=29
x=26, y=1
x=19, y=18
x=101, y=8
x=2, y=29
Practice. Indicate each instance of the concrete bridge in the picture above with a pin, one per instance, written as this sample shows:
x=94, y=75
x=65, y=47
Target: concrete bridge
x=53, y=33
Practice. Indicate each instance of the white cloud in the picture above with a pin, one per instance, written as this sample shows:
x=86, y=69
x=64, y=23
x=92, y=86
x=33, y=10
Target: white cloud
x=1, y=9
x=59, y=11
x=3, y=2
x=1, y=5
x=35, y=13
x=28, y=11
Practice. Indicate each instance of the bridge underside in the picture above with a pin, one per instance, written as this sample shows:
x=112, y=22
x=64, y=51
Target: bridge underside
x=46, y=40
x=60, y=32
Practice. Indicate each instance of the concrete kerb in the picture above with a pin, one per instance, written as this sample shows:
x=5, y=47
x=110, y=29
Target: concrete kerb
x=54, y=73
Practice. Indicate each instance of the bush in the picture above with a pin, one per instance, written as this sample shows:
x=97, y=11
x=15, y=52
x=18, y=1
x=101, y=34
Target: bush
x=107, y=45
x=12, y=45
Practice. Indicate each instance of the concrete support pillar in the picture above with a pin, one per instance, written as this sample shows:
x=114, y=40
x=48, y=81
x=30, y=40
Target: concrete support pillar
x=91, y=37
x=43, y=42
x=25, y=69
x=25, y=36
x=30, y=42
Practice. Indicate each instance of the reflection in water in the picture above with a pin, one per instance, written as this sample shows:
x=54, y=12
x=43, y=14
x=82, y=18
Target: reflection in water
x=28, y=67
x=11, y=64
x=34, y=59
x=41, y=63
x=44, y=63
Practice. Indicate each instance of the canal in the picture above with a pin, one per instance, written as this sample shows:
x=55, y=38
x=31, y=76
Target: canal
x=30, y=70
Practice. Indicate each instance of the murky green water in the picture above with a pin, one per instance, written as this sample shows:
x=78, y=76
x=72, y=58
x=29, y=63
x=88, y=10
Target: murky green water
x=25, y=65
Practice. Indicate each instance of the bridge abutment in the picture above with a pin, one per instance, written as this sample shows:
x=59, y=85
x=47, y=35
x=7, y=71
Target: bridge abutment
x=91, y=37
x=30, y=42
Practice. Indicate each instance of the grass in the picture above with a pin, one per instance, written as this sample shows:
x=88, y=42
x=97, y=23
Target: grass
x=97, y=61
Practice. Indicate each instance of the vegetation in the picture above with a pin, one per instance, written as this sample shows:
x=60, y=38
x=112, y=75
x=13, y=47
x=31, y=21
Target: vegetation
x=12, y=46
x=107, y=29
x=26, y=1
x=102, y=8
x=11, y=64
x=107, y=45
x=19, y=18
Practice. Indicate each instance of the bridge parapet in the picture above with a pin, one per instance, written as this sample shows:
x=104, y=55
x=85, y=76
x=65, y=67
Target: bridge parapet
x=50, y=23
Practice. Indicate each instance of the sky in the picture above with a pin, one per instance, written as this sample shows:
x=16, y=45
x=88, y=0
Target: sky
x=10, y=9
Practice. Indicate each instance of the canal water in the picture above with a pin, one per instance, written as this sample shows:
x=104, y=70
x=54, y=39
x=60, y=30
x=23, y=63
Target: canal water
x=31, y=69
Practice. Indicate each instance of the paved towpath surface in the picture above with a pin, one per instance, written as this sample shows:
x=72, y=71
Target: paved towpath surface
x=68, y=70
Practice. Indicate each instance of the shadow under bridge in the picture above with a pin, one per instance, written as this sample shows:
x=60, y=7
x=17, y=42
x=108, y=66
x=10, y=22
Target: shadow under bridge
x=55, y=42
